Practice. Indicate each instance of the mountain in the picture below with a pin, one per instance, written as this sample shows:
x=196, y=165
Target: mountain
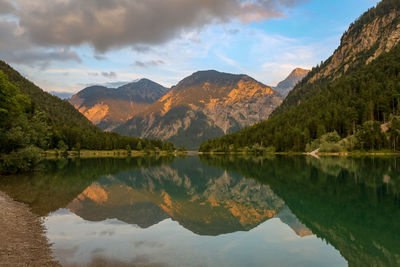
x=335, y=198
x=147, y=190
x=59, y=111
x=352, y=93
x=288, y=218
x=376, y=32
x=59, y=184
x=32, y=120
x=204, y=105
x=62, y=95
x=110, y=107
x=206, y=200
x=284, y=87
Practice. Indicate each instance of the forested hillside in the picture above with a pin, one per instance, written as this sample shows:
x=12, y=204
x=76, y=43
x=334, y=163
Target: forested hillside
x=31, y=120
x=343, y=101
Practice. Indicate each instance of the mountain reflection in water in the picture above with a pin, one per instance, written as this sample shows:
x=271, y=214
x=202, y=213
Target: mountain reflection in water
x=206, y=200
x=217, y=210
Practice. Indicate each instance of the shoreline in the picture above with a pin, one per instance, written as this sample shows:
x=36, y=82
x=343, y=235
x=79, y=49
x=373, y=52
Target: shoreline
x=22, y=235
x=107, y=153
x=340, y=154
x=124, y=154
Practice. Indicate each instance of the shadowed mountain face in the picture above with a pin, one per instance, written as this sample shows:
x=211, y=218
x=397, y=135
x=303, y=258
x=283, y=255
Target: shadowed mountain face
x=287, y=217
x=285, y=86
x=204, y=105
x=109, y=107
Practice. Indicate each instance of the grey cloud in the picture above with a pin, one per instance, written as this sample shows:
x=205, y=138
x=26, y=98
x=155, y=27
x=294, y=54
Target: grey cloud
x=195, y=41
x=141, y=48
x=107, y=84
x=108, y=232
x=116, y=23
x=42, y=57
x=233, y=31
x=93, y=74
x=6, y=7
x=109, y=75
x=115, y=84
x=16, y=48
x=151, y=63
x=100, y=57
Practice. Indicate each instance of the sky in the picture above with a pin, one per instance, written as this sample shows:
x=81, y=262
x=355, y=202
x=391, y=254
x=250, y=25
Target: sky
x=67, y=45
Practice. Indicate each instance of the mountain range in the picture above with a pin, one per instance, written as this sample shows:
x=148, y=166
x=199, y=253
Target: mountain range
x=32, y=120
x=206, y=200
x=223, y=203
x=206, y=104
x=350, y=95
x=110, y=107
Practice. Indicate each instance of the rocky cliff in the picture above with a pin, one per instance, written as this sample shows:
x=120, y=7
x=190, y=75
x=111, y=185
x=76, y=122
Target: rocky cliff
x=204, y=105
x=285, y=86
x=365, y=40
x=110, y=107
x=355, y=85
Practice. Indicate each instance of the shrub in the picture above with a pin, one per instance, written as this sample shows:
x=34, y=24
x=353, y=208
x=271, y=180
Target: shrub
x=330, y=148
x=24, y=159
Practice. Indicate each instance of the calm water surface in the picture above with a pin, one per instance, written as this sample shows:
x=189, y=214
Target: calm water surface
x=218, y=211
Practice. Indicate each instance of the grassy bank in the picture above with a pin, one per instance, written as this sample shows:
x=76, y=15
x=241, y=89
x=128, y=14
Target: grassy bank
x=343, y=153
x=107, y=153
x=30, y=159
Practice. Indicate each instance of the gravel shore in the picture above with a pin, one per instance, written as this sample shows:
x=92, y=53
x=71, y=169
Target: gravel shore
x=22, y=236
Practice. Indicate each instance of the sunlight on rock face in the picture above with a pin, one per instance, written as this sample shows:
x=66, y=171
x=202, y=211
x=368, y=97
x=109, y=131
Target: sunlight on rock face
x=94, y=192
x=95, y=113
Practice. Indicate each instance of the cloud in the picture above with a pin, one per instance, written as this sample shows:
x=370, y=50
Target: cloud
x=230, y=62
x=150, y=63
x=117, y=23
x=42, y=57
x=106, y=84
x=105, y=74
x=233, y=31
x=6, y=7
x=109, y=75
x=141, y=48
x=15, y=47
x=100, y=57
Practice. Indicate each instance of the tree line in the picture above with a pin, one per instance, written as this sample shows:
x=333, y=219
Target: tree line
x=355, y=105
x=32, y=120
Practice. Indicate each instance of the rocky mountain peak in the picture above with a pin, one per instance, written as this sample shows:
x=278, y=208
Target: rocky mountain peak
x=109, y=107
x=299, y=72
x=210, y=76
x=284, y=87
x=204, y=105
x=375, y=32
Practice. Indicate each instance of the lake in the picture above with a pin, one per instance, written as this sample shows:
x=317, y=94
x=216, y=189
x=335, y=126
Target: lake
x=217, y=210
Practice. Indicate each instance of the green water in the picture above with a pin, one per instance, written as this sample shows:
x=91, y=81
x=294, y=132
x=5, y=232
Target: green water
x=217, y=210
